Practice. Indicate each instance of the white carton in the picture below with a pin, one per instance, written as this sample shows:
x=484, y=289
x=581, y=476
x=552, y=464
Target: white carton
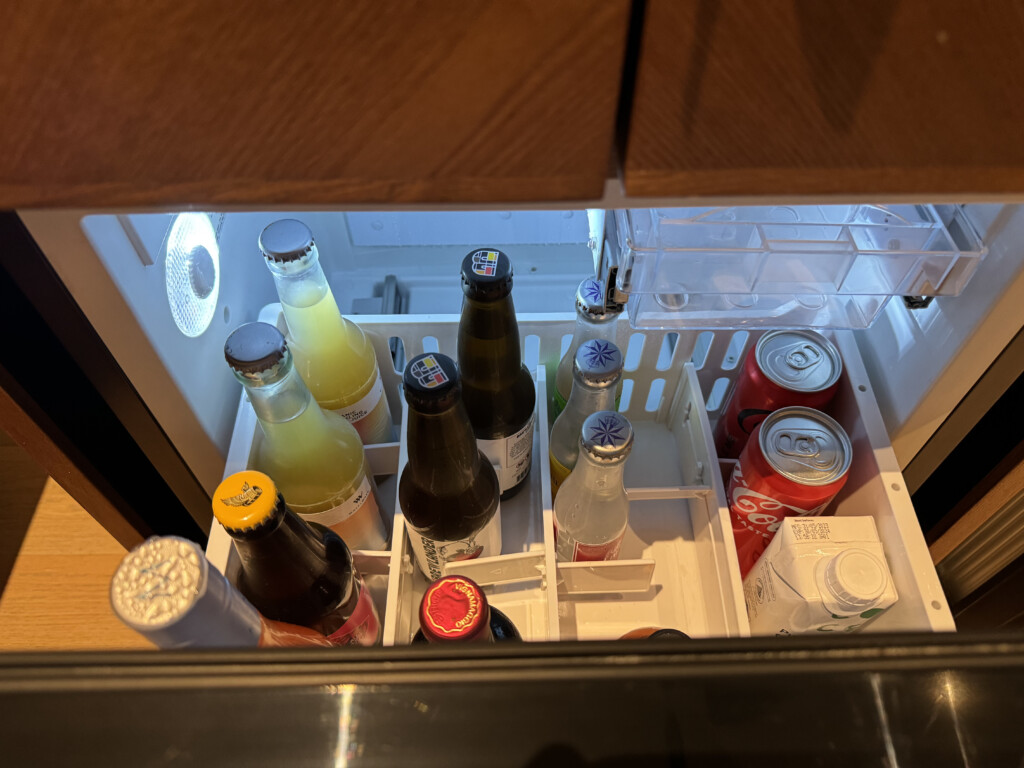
x=820, y=574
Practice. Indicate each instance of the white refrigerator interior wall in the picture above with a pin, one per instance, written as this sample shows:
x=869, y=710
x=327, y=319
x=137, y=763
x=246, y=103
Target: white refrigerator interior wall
x=921, y=363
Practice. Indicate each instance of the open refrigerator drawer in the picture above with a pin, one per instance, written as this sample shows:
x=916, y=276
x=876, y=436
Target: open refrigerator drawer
x=678, y=566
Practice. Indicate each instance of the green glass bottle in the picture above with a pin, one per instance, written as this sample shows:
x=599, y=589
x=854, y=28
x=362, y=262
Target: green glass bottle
x=497, y=388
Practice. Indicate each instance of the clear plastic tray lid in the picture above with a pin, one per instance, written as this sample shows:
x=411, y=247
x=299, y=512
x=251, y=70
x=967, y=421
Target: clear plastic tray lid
x=831, y=266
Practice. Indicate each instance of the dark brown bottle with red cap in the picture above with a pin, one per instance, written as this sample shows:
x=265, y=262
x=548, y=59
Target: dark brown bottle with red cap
x=455, y=610
x=293, y=571
x=448, y=490
x=496, y=387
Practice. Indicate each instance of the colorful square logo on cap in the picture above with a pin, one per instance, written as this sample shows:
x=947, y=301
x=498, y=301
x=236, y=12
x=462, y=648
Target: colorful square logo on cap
x=428, y=372
x=485, y=263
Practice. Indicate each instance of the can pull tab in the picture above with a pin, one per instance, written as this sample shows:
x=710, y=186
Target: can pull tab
x=799, y=445
x=812, y=449
x=800, y=357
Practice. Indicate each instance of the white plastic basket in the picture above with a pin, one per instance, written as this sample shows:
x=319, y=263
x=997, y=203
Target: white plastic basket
x=679, y=567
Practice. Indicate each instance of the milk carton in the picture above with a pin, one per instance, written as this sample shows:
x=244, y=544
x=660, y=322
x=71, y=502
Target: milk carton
x=819, y=574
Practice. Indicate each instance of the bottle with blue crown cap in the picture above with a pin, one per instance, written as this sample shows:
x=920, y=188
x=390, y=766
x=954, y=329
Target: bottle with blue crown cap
x=597, y=372
x=594, y=320
x=591, y=512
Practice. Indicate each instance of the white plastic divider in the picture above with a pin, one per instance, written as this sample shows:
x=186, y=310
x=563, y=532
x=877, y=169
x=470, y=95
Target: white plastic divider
x=679, y=566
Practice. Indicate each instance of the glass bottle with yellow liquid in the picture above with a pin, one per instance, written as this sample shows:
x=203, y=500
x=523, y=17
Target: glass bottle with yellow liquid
x=315, y=456
x=333, y=355
x=597, y=374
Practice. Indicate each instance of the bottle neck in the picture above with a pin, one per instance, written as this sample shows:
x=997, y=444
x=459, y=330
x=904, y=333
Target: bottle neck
x=585, y=400
x=599, y=476
x=587, y=328
x=300, y=283
x=443, y=455
x=488, y=343
x=291, y=554
x=280, y=399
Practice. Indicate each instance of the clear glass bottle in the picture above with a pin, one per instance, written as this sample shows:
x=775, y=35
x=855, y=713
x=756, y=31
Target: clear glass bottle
x=315, y=456
x=593, y=321
x=497, y=388
x=448, y=490
x=592, y=511
x=596, y=373
x=333, y=355
x=291, y=570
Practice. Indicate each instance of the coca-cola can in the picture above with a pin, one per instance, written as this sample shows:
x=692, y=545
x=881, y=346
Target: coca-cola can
x=784, y=368
x=795, y=463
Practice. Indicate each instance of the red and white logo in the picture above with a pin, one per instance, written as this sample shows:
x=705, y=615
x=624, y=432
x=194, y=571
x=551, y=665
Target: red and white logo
x=428, y=372
x=485, y=263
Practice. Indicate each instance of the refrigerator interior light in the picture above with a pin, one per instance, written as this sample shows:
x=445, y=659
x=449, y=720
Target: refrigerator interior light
x=192, y=272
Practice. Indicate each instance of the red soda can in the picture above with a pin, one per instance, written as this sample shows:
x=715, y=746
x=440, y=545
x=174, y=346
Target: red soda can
x=784, y=368
x=795, y=463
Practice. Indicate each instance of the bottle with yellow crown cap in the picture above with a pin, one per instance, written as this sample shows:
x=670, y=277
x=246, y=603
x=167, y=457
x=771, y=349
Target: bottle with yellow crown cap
x=314, y=455
x=293, y=571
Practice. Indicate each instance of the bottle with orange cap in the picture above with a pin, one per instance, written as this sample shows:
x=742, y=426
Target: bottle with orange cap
x=455, y=610
x=316, y=456
x=293, y=571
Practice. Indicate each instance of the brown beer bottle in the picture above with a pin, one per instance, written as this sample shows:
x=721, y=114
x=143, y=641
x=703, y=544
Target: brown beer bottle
x=294, y=571
x=455, y=610
x=448, y=490
x=496, y=387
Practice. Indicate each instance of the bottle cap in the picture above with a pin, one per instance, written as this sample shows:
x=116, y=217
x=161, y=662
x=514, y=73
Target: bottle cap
x=598, y=363
x=253, y=349
x=590, y=302
x=607, y=436
x=855, y=579
x=245, y=500
x=431, y=383
x=454, y=608
x=166, y=590
x=286, y=240
x=486, y=275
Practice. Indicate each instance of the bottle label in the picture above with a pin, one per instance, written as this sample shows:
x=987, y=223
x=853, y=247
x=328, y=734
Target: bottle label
x=363, y=502
x=510, y=455
x=363, y=626
x=558, y=474
x=364, y=407
x=431, y=555
x=587, y=552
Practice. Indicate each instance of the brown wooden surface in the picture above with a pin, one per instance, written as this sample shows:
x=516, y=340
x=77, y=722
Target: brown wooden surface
x=51, y=452
x=997, y=490
x=182, y=101
x=56, y=595
x=782, y=97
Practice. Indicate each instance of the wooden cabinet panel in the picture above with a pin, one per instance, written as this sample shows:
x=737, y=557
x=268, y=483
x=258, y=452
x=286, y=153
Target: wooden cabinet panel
x=849, y=97
x=182, y=101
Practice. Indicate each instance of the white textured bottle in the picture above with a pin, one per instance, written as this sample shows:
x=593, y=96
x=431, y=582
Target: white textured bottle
x=591, y=512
